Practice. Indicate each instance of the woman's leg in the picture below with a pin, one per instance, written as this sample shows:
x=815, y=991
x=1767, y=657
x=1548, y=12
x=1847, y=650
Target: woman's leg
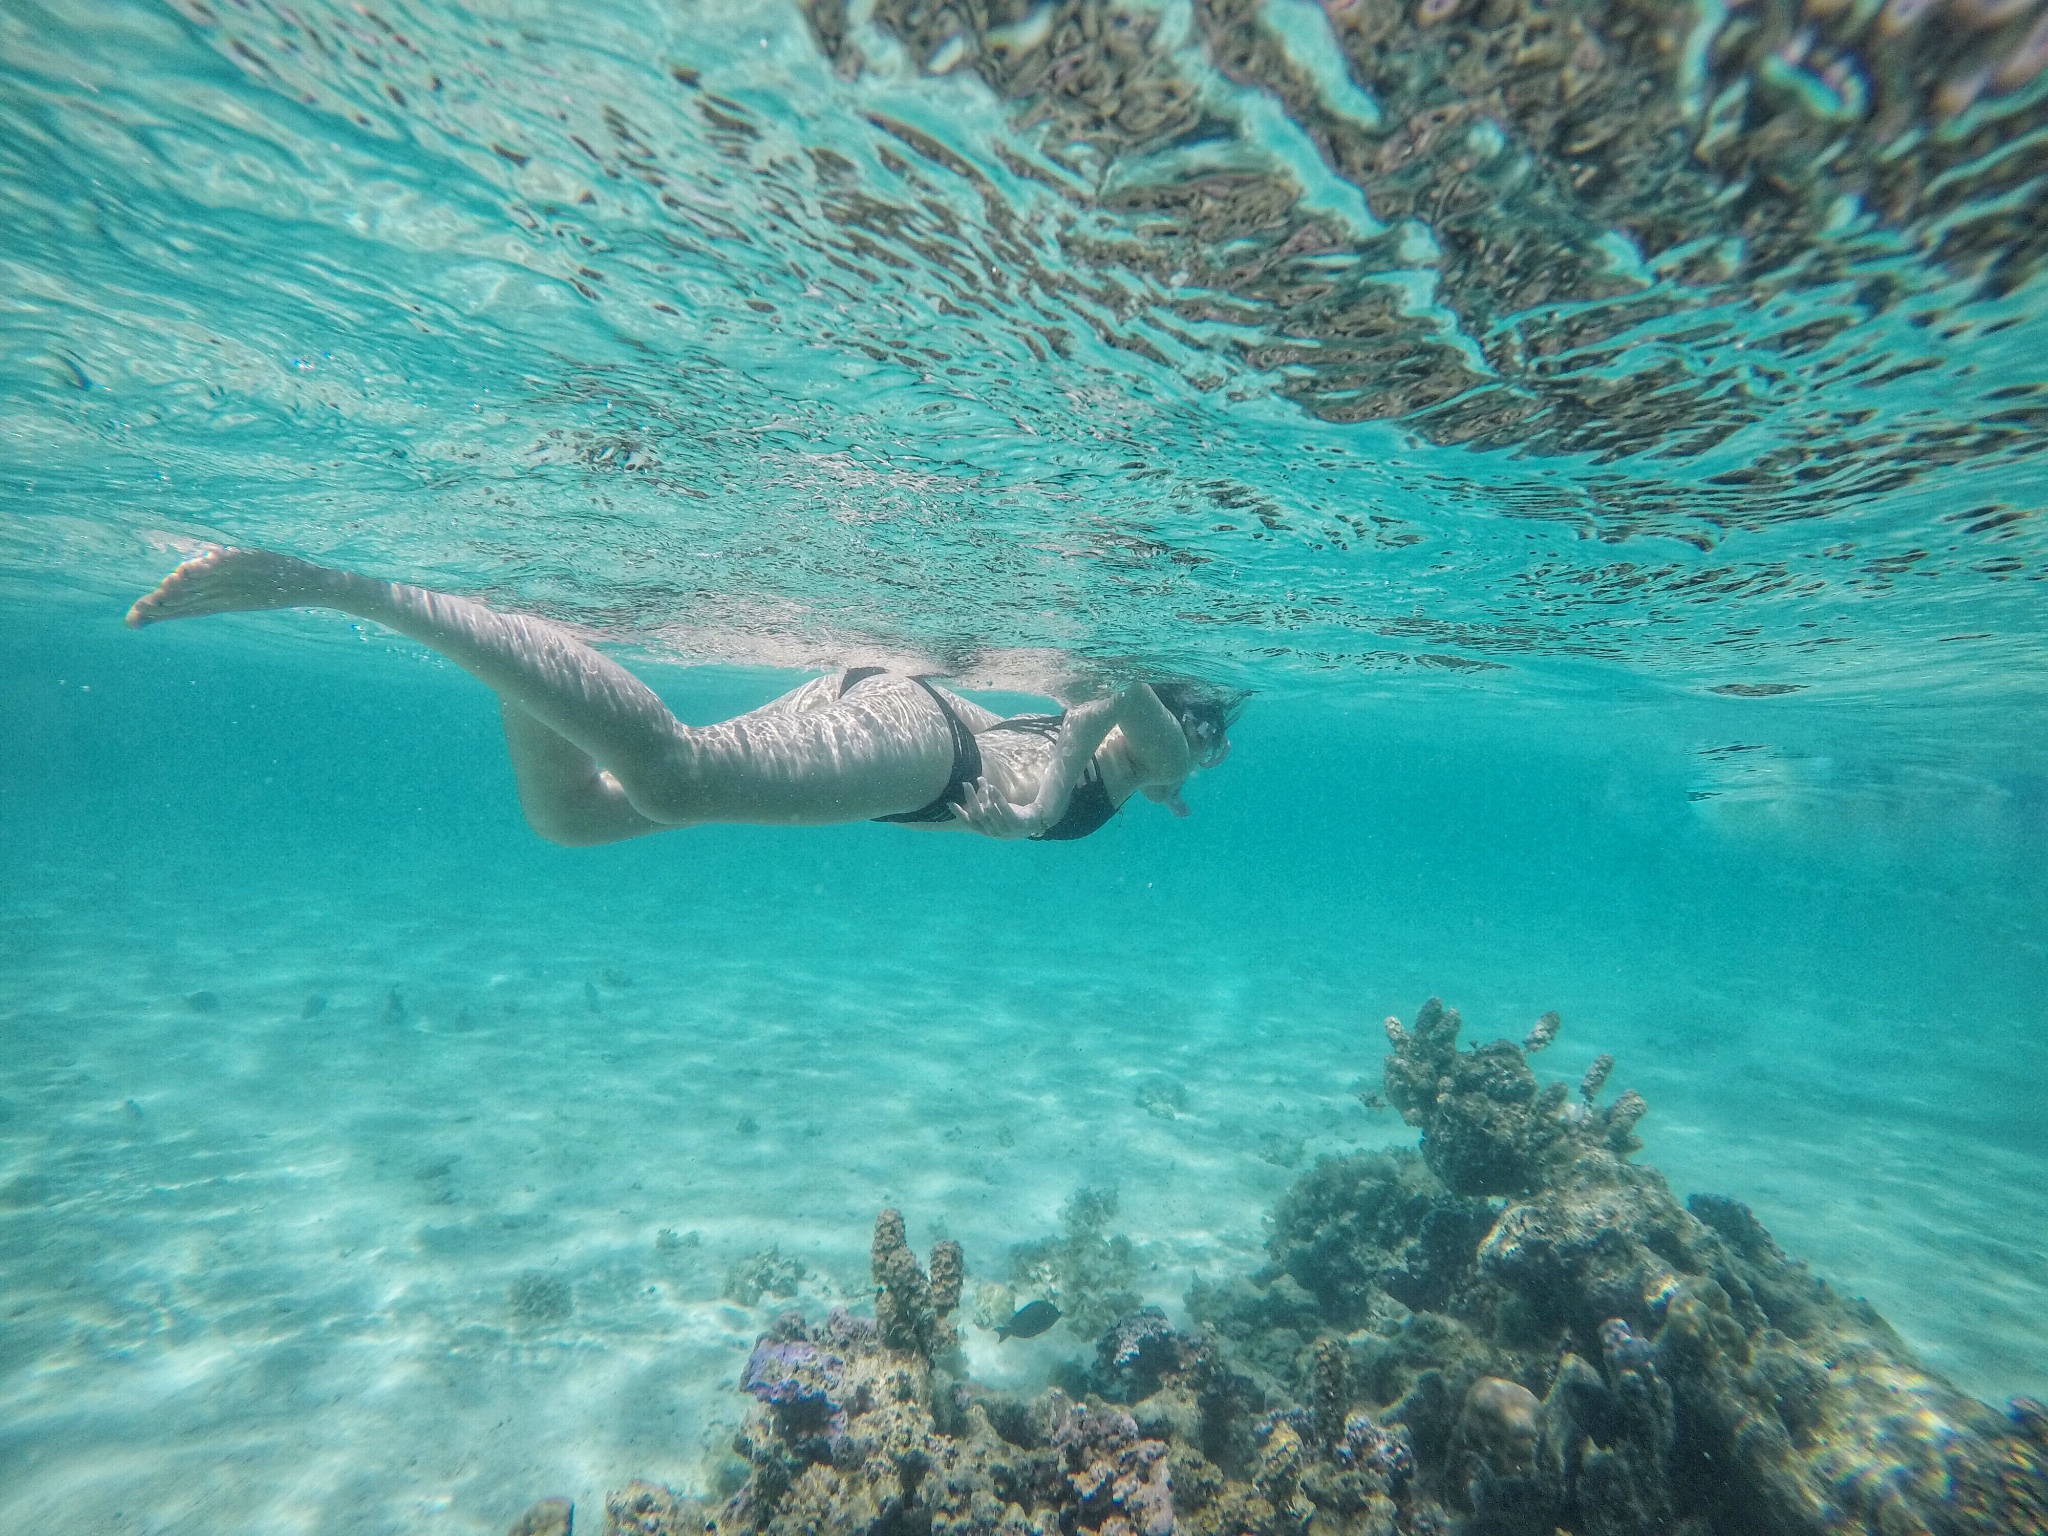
x=567, y=797
x=886, y=752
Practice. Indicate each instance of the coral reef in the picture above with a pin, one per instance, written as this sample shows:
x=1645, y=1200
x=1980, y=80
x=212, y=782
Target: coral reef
x=1511, y=1331
x=1087, y=1271
x=1582, y=1352
x=859, y=1435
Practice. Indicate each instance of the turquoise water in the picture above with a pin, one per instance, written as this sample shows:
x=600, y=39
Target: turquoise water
x=1635, y=561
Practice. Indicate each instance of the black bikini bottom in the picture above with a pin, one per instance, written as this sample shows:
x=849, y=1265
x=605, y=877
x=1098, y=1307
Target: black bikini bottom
x=966, y=755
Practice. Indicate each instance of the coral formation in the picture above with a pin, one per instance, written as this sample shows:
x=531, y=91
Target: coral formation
x=1512, y=1331
x=1087, y=1271
x=648, y=1509
x=913, y=1311
x=770, y=1272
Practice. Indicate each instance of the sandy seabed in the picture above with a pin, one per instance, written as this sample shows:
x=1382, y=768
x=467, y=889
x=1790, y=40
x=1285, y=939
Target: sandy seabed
x=284, y=1254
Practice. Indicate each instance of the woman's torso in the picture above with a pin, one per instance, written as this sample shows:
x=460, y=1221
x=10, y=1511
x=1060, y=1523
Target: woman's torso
x=1090, y=803
x=1015, y=753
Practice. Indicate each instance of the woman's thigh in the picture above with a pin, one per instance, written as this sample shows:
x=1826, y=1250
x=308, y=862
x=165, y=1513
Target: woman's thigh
x=882, y=749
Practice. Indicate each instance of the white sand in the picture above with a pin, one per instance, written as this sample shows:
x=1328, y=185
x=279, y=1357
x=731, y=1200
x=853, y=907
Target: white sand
x=260, y=1265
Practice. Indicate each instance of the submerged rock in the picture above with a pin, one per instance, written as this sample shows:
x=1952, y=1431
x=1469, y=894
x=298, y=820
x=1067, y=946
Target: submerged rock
x=550, y=1517
x=1162, y=1097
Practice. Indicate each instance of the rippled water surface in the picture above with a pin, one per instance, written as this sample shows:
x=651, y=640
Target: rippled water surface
x=1282, y=342
x=1606, y=438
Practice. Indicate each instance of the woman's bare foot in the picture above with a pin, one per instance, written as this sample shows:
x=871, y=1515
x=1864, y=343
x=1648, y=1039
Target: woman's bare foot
x=229, y=581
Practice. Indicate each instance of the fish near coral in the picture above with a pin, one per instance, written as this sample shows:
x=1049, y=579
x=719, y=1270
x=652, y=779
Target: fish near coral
x=1029, y=1321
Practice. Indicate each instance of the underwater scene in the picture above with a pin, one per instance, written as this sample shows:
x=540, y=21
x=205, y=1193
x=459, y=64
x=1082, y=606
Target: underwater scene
x=1500, y=543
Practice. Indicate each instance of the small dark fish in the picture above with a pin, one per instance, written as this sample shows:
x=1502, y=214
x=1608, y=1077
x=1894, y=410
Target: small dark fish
x=1032, y=1319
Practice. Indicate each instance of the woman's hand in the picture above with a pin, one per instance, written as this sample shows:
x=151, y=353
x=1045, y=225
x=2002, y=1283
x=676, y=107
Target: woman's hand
x=988, y=812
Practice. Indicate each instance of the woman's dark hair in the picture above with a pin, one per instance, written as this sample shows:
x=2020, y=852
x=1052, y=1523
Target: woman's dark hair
x=1217, y=708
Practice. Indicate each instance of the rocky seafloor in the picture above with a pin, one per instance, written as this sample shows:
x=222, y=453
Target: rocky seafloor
x=1512, y=1331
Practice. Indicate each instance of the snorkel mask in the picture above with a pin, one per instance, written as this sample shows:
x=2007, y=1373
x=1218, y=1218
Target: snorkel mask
x=1208, y=743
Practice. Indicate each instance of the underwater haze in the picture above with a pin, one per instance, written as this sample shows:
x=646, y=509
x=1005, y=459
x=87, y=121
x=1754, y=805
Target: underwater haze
x=1605, y=439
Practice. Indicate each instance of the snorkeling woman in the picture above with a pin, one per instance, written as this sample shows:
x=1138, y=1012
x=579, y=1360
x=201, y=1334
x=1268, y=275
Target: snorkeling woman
x=598, y=757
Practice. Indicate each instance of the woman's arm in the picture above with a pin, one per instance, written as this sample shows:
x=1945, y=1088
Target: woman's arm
x=1156, y=743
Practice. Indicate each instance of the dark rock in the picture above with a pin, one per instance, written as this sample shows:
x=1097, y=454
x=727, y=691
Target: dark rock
x=1737, y=1223
x=549, y=1517
x=1442, y=1252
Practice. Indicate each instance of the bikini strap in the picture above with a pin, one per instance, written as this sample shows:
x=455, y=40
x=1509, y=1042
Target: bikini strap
x=854, y=675
x=966, y=765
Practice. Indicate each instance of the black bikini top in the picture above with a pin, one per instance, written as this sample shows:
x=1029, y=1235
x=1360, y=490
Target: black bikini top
x=1089, y=807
